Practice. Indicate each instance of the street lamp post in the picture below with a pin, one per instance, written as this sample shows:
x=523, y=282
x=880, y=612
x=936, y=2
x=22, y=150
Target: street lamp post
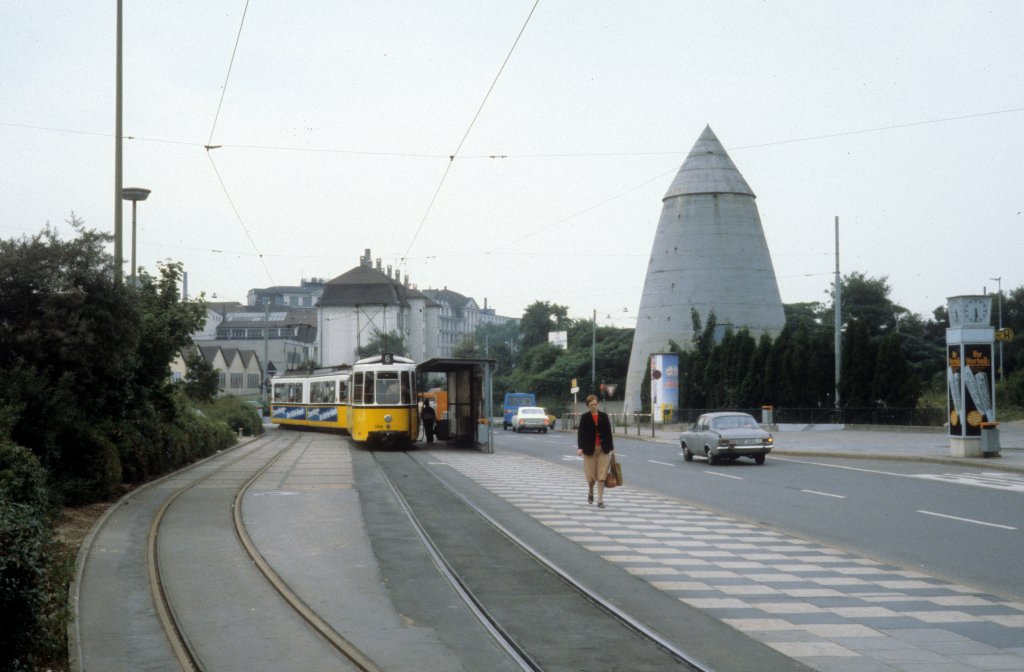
x=134, y=194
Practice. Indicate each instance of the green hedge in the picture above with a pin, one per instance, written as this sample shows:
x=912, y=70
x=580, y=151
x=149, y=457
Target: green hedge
x=35, y=568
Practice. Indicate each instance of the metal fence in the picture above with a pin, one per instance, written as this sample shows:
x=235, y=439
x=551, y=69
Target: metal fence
x=906, y=417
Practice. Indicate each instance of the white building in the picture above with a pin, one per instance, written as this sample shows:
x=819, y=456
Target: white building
x=367, y=302
x=460, y=317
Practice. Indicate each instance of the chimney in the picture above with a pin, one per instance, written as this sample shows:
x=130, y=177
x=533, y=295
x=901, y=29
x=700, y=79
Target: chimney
x=184, y=286
x=366, y=260
x=389, y=271
x=406, y=283
x=378, y=264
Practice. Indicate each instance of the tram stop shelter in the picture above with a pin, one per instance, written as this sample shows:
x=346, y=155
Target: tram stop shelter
x=470, y=398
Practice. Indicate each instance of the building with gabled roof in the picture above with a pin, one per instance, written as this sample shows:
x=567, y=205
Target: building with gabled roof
x=359, y=306
x=239, y=371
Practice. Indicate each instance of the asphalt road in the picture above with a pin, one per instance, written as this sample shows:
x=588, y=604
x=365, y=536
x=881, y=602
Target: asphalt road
x=953, y=522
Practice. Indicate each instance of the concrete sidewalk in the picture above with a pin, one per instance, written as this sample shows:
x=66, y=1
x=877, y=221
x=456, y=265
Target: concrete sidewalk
x=908, y=444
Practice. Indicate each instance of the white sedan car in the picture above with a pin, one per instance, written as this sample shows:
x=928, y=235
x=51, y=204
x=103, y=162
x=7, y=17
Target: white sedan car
x=530, y=418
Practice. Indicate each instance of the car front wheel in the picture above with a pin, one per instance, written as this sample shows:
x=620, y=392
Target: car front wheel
x=687, y=455
x=711, y=458
x=759, y=459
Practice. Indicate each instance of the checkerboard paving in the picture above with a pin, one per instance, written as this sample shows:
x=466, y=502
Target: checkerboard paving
x=828, y=608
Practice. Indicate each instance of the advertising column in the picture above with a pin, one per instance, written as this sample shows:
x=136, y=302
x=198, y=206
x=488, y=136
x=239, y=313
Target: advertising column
x=970, y=373
x=664, y=386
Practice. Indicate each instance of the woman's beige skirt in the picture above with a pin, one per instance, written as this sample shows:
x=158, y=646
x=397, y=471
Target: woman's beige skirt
x=595, y=467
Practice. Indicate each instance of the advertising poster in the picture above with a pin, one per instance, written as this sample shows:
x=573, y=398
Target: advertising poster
x=955, y=403
x=664, y=386
x=976, y=375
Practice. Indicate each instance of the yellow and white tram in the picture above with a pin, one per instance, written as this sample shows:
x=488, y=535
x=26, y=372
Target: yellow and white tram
x=311, y=398
x=374, y=400
x=382, y=400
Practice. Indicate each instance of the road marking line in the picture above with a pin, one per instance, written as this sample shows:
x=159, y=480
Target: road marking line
x=667, y=464
x=823, y=494
x=966, y=520
x=718, y=473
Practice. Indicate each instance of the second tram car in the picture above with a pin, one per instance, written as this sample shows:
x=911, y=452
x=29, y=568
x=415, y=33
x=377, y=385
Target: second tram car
x=311, y=398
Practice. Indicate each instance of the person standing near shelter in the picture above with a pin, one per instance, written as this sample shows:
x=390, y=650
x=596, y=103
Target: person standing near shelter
x=428, y=417
x=594, y=442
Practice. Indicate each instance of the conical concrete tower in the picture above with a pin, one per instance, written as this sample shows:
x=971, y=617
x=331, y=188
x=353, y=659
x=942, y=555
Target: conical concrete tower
x=709, y=253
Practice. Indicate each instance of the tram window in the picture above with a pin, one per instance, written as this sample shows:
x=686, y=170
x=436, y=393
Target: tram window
x=407, y=387
x=343, y=391
x=357, y=388
x=368, y=388
x=322, y=392
x=388, y=391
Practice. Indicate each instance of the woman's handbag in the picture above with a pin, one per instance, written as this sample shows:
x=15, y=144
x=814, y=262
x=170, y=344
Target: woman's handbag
x=614, y=477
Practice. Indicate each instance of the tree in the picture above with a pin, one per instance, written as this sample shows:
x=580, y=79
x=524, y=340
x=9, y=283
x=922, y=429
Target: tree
x=86, y=360
x=201, y=382
x=381, y=342
x=538, y=319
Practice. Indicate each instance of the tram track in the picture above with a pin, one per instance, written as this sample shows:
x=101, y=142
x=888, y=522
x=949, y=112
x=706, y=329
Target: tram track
x=519, y=569
x=186, y=653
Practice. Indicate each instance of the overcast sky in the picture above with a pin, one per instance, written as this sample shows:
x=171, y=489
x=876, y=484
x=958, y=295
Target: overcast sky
x=338, y=119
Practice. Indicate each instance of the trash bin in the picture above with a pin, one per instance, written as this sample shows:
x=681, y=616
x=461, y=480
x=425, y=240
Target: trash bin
x=989, y=438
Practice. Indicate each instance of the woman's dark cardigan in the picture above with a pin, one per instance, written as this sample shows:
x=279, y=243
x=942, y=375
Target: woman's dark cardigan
x=587, y=431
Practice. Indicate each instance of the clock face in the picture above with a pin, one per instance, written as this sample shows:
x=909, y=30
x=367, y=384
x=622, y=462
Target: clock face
x=976, y=311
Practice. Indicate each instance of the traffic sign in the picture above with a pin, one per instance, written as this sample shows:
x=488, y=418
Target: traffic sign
x=1004, y=334
x=574, y=390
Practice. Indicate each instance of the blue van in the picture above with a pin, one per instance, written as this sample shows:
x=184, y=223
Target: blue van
x=513, y=400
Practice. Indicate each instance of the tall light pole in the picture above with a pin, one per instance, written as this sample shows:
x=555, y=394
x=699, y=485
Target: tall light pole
x=134, y=194
x=118, y=218
x=1000, y=281
x=838, y=310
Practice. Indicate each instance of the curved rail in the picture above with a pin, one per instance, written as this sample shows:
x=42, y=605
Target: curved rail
x=185, y=653
x=183, y=650
x=313, y=619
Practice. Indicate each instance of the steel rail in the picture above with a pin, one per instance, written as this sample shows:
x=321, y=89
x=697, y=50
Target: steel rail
x=183, y=649
x=489, y=623
x=624, y=617
x=305, y=612
x=75, y=638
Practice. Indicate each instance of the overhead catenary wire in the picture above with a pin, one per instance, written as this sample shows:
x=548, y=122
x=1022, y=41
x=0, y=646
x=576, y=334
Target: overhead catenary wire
x=451, y=159
x=210, y=146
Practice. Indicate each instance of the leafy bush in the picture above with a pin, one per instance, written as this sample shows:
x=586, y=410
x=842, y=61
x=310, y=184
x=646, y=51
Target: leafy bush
x=35, y=568
x=236, y=414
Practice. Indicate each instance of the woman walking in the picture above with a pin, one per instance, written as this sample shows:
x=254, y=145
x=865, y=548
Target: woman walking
x=594, y=443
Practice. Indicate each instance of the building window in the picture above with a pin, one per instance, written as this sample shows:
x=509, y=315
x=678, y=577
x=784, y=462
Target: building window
x=252, y=380
x=236, y=381
x=221, y=379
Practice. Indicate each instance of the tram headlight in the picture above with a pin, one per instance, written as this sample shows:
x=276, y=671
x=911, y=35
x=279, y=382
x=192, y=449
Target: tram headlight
x=387, y=418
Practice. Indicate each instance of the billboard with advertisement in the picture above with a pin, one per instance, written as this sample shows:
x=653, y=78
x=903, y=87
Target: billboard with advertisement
x=970, y=378
x=664, y=386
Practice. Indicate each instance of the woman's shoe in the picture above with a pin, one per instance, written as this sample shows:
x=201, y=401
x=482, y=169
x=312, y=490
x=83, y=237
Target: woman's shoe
x=600, y=505
x=590, y=498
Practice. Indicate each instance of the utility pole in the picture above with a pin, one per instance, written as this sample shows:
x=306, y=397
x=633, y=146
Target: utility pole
x=838, y=317
x=118, y=218
x=593, y=355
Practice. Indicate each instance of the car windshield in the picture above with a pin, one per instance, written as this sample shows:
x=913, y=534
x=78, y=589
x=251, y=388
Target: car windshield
x=734, y=422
